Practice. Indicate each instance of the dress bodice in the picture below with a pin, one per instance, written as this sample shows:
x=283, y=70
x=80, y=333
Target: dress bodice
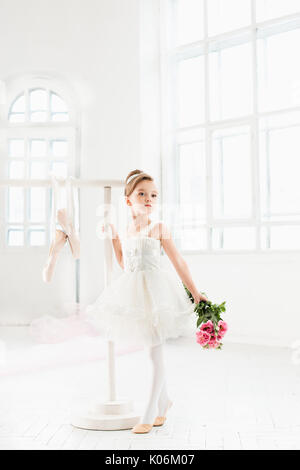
x=141, y=252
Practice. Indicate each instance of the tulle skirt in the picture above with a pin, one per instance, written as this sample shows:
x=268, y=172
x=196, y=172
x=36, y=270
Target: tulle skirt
x=143, y=307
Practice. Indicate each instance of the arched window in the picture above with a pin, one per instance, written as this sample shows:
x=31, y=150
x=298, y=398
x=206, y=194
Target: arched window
x=38, y=138
x=38, y=105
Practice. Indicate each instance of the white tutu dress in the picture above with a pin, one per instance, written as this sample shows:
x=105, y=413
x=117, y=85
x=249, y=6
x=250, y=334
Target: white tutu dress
x=146, y=304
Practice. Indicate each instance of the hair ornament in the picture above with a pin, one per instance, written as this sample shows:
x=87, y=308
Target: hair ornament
x=131, y=177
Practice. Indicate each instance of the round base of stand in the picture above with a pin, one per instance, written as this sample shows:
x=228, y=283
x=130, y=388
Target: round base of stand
x=107, y=416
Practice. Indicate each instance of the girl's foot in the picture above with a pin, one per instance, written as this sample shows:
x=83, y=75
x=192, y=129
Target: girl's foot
x=141, y=428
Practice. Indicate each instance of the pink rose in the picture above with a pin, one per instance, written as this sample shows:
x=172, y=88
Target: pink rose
x=213, y=344
x=223, y=327
x=203, y=337
x=208, y=326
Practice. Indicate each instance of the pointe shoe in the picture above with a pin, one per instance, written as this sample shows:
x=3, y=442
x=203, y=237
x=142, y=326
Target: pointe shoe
x=159, y=420
x=142, y=428
x=56, y=245
x=68, y=228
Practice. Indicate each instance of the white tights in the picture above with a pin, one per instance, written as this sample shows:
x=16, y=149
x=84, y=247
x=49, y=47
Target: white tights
x=158, y=398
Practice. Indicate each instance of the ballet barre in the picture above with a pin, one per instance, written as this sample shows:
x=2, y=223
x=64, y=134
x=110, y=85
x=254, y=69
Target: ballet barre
x=27, y=183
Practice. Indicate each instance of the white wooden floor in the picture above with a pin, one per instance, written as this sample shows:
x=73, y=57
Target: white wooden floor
x=244, y=397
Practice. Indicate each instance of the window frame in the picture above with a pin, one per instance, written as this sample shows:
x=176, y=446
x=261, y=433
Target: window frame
x=169, y=132
x=68, y=130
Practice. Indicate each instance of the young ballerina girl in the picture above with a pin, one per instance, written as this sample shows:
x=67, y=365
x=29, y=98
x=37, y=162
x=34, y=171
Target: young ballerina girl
x=147, y=304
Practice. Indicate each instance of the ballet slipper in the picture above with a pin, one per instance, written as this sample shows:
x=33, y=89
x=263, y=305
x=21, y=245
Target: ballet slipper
x=159, y=420
x=56, y=245
x=142, y=428
x=68, y=228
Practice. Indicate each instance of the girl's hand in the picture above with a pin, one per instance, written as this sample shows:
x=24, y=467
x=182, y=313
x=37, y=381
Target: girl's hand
x=198, y=297
x=113, y=232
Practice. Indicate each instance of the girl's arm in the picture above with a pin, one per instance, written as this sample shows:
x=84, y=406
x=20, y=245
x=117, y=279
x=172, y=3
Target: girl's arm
x=179, y=262
x=116, y=244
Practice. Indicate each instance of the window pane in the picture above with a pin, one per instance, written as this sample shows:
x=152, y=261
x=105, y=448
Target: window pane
x=59, y=148
x=232, y=173
x=36, y=236
x=17, y=117
x=186, y=136
x=15, y=237
x=59, y=117
x=39, y=116
x=38, y=170
x=59, y=169
x=57, y=104
x=38, y=148
x=228, y=15
x=38, y=100
x=230, y=93
x=281, y=237
x=15, y=204
x=278, y=71
x=234, y=238
x=19, y=105
x=37, y=204
x=16, y=148
x=191, y=91
x=194, y=239
x=189, y=21
x=267, y=9
x=192, y=182
x=16, y=170
x=279, y=170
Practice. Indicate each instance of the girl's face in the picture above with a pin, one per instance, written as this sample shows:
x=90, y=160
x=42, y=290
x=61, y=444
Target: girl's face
x=143, y=198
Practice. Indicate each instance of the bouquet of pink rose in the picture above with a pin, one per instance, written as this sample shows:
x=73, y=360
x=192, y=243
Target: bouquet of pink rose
x=212, y=327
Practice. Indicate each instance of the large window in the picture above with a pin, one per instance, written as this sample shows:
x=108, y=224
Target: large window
x=231, y=123
x=37, y=140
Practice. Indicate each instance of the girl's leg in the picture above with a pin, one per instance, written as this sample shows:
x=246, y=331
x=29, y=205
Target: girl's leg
x=157, y=400
x=163, y=399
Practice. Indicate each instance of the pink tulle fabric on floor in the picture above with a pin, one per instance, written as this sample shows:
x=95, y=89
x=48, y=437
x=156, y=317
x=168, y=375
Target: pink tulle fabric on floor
x=50, y=329
x=79, y=350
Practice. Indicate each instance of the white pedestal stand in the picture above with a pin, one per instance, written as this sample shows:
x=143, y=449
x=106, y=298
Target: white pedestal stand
x=112, y=414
